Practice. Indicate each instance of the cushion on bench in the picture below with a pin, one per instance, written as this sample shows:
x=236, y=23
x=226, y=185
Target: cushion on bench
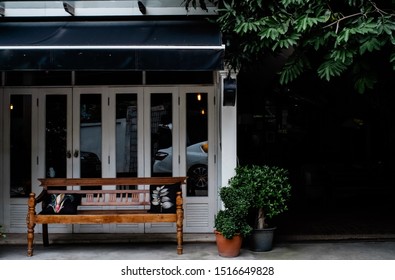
x=65, y=204
x=163, y=198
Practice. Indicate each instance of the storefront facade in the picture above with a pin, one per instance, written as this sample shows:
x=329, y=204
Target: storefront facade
x=87, y=96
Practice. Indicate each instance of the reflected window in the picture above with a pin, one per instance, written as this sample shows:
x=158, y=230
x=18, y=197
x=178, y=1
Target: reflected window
x=56, y=136
x=126, y=135
x=197, y=145
x=90, y=136
x=161, y=135
x=21, y=145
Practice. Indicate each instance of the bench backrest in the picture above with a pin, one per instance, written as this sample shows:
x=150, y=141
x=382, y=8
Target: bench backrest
x=61, y=182
x=110, y=197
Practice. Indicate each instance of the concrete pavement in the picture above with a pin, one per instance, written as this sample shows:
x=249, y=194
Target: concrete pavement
x=196, y=247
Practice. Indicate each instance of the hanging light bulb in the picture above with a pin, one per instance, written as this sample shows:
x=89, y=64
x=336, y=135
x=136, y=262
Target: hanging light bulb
x=203, y=112
x=199, y=97
x=11, y=107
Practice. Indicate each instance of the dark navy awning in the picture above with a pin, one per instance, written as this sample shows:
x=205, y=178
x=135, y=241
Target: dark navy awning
x=111, y=45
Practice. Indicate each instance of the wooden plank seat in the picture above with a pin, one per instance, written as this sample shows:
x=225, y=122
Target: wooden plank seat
x=94, y=193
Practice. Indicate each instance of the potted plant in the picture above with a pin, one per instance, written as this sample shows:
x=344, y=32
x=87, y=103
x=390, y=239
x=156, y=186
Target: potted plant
x=231, y=223
x=271, y=190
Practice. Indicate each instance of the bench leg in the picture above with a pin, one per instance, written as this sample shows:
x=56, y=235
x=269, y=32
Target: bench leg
x=30, y=240
x=30, y=221
x=179, y=240
x=45, y=235
x=179, y=223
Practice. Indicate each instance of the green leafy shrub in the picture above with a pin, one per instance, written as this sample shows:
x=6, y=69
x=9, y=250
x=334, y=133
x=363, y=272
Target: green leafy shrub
x=268, y=189
x=230, y=225
x=263, y=189
x=232, y=219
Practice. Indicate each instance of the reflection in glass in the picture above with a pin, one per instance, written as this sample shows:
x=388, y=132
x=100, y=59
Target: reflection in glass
x=20, y=139
x=90, y=136
x=197, y=145
x=126, y=135
x=161, y=135
x=56, y=136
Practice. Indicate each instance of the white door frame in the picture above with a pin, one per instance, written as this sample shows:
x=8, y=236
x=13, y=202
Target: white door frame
x=3, y=109
x=148, y=91
x=201, y=204
x=105, y=129
x=15, y=208
x=108, y=143
x=41, y=143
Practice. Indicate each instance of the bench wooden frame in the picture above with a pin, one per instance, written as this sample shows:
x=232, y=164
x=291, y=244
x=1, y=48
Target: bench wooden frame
x=103, y=197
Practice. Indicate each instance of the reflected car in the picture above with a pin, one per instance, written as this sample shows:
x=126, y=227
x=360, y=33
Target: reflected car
x=90, y=165
x=197, y=162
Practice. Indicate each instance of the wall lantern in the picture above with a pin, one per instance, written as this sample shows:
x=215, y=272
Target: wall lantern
x=69, y=8
x=230, y=90
x=142, y=7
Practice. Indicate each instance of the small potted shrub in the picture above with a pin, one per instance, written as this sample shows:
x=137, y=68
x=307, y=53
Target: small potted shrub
x=270, y=192
x=231, y=223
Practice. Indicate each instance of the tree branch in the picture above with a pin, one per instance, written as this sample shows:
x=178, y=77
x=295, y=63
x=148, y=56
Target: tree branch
x=337, y=22
x=376, y=10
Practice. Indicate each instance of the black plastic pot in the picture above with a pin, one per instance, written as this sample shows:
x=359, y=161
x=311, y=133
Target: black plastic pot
x=261, y=240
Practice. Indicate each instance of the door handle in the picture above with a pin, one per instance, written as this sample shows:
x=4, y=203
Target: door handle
x=68, y=154
x=76, y=153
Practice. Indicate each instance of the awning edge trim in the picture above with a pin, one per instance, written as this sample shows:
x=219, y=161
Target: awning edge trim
x=113, y=47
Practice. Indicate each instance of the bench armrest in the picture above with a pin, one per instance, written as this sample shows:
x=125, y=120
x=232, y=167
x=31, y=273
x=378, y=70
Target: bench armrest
x=41, y=196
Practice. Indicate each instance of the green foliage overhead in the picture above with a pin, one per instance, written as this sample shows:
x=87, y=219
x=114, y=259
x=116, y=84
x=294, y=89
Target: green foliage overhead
x=323, y=36
x=195, y=3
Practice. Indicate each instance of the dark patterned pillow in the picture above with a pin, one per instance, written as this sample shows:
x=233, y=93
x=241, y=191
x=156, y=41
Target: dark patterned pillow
x=163, y=198
x=62, y=204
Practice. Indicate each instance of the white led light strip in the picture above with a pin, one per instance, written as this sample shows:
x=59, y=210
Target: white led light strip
x=112, y=47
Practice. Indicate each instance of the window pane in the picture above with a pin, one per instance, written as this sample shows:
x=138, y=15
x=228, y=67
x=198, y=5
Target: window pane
x=126, y=135
x=179, y=77
x=108, y=77
x=20, y=156
x=38, y=78
x=197, y=145
x=56, y=136
x=90, y=135
x=161, y=135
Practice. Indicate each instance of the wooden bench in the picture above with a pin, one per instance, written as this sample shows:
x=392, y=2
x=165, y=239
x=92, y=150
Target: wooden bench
x=97, y=192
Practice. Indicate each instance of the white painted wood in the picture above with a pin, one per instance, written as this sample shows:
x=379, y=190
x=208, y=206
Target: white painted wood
x=199, y=211
x=228, y=138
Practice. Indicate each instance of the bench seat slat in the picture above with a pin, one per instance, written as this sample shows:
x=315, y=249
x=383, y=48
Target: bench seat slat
x=107, y=217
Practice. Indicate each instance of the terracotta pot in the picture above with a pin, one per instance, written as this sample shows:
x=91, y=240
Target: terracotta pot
x=228, y=247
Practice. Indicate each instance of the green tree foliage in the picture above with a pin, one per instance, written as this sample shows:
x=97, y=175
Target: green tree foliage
x=328, y=37
x=195, y=3
x=2, y=234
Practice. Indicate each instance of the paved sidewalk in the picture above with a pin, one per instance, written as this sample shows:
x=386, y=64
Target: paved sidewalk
x=196, y=247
